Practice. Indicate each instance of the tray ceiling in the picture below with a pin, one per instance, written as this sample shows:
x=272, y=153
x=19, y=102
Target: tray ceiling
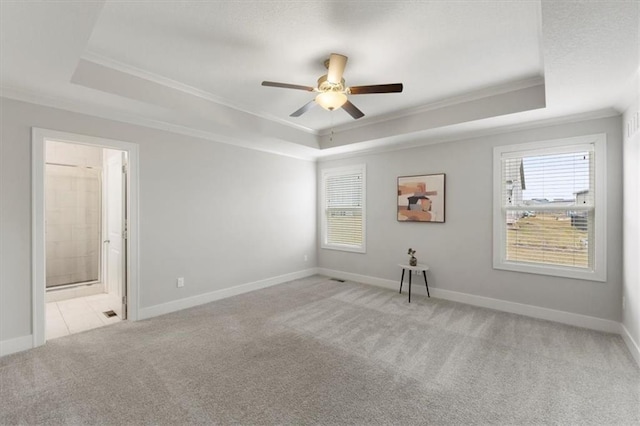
x=199, y=65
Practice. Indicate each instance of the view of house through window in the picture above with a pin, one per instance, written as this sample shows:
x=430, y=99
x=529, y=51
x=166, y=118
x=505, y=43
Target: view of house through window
x=549, y=206
x=549, y=211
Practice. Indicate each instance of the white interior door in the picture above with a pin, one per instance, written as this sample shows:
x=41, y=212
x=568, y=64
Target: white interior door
x=115, y=244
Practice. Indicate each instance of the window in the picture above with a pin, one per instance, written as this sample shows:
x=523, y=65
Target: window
x=343, y=204
x=549, y=208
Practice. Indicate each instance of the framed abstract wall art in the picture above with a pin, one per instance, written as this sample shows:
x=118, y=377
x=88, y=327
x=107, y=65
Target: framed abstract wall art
x=421, y=198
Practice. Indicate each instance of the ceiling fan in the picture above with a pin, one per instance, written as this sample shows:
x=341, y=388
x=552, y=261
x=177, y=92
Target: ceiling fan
x=332, y=92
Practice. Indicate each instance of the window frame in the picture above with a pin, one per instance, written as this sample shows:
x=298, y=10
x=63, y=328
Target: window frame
x=598, y=270
x=339, y=171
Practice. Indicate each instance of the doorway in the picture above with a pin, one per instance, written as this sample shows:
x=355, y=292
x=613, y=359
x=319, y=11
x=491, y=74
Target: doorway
x=85, y=272
x=85, y=221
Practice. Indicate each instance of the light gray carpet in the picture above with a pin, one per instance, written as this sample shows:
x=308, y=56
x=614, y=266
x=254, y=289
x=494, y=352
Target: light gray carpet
x=319, y=351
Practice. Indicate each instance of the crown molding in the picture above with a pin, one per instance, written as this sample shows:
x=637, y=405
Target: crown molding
x=176, y=85
x=418, y=141
x=135, y=119
x=399, y=143
x=415, y=140
x=442, y=103
x=449, y=101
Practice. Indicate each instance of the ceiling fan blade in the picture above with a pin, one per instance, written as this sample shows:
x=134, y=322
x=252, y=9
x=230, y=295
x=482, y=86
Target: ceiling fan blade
x=337, y=63
x=304, y=109
x=287, y=86
x=352, y=110
x=377, y=88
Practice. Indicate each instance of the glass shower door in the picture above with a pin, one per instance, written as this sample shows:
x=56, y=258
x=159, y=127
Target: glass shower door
x=73, y=224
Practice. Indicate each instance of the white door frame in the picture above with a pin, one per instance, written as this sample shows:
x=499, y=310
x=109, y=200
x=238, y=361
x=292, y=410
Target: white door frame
x=38, y=277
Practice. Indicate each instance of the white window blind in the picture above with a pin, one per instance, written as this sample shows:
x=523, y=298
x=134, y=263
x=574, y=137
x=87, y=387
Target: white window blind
x=548, y=208
x=343, y=201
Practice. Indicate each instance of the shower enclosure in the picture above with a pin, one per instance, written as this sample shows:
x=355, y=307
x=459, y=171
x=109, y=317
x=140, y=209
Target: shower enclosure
x=73, y=210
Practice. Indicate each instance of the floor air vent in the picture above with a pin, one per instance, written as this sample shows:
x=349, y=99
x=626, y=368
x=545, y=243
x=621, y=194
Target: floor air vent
x=109, y=314
x=337, y=279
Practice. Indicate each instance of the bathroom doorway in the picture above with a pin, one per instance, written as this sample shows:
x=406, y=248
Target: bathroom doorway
x=85, y=236
x=85, y=233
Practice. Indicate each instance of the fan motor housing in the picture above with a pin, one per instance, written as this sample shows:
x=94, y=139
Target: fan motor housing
x=326, y=86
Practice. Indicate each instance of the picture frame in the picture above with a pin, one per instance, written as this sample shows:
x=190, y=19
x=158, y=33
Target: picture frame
x=421, y=198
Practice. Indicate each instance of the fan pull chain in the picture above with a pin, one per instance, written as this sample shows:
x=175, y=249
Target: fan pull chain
x=331, y=134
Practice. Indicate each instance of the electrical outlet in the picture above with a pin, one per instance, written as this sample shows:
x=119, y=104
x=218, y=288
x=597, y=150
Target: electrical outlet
x=306, y=257
x=180, y=282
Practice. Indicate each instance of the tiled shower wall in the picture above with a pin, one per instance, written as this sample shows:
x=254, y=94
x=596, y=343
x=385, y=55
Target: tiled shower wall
x=73, y=213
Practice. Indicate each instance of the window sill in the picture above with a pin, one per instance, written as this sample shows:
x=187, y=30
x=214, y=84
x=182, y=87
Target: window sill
x=338, y=247
x=556, y=271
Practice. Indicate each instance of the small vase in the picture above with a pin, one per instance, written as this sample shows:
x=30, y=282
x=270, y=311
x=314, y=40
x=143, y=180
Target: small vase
x=413, y=261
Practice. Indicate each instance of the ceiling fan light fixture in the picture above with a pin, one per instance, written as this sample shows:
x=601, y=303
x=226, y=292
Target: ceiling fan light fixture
x=332, y=90
x=331, y=100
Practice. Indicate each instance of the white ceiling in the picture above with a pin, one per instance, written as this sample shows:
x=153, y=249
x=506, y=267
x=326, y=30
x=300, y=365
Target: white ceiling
x=196, y=67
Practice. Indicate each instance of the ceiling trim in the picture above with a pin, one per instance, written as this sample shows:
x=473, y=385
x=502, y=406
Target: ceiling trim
x=418, y=141
x=443, y=103
x=134, y=119
x=449, y=101
x=483, y=108
x=173, y=84
x=184, y=109
x=317, y=155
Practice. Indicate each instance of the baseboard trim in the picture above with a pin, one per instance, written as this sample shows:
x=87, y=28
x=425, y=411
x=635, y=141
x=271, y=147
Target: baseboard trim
x=633, y=346
x=18, y=344
x=189, y=302
x=24, y=343
x=569, y=318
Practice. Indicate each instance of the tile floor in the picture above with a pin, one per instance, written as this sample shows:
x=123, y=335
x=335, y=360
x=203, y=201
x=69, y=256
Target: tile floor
x=74, y=315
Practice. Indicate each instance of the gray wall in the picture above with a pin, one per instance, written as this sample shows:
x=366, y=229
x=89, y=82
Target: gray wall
x=459, y=251
x=631, y=291
x=209, y=212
